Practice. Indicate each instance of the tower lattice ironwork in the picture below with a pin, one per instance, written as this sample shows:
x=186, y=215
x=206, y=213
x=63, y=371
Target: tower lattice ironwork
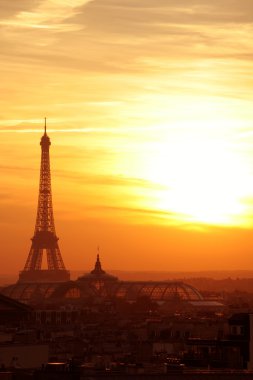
x=44, y=241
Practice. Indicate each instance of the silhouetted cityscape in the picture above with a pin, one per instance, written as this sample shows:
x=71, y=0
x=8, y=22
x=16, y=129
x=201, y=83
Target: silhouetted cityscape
x=100, y=326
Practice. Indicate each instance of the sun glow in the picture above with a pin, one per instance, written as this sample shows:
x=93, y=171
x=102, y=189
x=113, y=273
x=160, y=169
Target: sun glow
x=204, y=179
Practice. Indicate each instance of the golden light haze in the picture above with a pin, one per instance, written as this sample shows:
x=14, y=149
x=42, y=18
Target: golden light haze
x=149, y=107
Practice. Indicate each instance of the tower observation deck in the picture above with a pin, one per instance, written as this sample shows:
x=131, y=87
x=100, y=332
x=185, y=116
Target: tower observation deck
x=44, y=241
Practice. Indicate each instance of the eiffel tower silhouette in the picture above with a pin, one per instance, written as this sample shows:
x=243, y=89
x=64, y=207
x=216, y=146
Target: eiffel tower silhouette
x=44, y=241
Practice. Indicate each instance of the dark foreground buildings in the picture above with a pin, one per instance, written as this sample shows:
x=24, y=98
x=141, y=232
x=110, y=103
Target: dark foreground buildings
x=98, y=326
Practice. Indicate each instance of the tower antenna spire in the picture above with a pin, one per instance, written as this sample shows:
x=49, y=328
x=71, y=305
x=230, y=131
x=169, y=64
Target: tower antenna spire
x=45, y=240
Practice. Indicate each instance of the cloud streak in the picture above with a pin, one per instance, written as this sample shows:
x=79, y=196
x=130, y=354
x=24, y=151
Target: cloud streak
x=123, y=77
x=48, y=14
x=106, y=180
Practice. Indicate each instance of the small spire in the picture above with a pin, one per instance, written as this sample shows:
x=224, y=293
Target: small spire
x=98, y=264
x=45, y=140
x=98, y=267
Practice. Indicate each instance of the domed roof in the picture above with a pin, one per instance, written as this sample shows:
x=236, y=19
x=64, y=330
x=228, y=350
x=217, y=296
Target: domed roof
x=157, y=291
x=98, y=283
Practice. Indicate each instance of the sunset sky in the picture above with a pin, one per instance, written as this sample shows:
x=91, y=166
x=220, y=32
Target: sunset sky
x=150, y=115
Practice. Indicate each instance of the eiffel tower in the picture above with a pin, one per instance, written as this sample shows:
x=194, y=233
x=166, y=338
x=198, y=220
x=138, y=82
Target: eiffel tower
x=44, y=241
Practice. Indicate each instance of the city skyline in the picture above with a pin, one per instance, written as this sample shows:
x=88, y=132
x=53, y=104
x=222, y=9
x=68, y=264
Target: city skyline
x=150, y=119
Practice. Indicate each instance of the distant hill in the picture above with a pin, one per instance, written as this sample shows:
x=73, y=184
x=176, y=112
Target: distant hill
x=171, y=275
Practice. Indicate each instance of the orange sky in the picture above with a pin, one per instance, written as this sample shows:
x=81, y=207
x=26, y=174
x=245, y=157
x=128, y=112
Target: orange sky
x=149, y=107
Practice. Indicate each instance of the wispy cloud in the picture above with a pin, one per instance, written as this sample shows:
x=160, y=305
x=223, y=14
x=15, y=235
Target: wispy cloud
x=124, y=69
x=106, y=180
x=48, y=14
x=12, y=8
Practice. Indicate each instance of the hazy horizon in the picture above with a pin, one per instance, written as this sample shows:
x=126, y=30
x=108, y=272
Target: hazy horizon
x=9, y=278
